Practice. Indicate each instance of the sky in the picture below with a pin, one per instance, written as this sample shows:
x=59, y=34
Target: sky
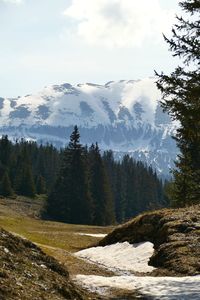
x=44, y=42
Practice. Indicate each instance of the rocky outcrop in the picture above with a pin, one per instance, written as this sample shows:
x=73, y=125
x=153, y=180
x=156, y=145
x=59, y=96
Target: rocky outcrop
x=28, y=273
x=175, y=234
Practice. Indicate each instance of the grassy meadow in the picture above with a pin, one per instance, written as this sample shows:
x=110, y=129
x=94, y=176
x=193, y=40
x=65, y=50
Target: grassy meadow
x=21, y=217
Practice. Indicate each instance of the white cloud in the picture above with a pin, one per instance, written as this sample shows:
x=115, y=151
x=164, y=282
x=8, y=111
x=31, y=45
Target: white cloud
x=119, y=23
x=13, y=1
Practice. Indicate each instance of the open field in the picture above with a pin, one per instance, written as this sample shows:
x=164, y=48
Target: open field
x=20, y=216
x=163, y=228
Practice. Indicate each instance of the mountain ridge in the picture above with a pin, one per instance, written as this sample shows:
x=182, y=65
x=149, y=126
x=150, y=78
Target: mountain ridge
x=124, y=116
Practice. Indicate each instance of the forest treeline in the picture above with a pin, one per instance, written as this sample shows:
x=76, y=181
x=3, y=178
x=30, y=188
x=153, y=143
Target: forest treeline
x=26, y=168
x=82, y=185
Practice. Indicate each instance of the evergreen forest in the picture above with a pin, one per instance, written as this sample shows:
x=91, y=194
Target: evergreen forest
x=82, y=185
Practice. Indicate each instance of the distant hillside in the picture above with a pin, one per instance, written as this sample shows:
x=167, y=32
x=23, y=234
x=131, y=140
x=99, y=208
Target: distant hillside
x=124, y=116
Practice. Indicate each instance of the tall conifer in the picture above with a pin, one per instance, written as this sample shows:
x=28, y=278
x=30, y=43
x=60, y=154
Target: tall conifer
x=181, y=98
x=40, y=185
x=25, y=185
x=101, y=192
x=5, y=186
x=71, y=192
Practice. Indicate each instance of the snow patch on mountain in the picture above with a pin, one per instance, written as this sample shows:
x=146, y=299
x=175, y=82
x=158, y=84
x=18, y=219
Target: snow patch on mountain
x=86, y=105
x=124, y=116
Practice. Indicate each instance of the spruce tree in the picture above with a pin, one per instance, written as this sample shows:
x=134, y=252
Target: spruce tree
x=5, y=187
x=70, y=199
x=100, y=187
x=24, y=181
x=181, y=98
x=25, y=185
x=41, y=185
x=116, y=182
x=120, y=192
x=57, y=206
x=5, y=150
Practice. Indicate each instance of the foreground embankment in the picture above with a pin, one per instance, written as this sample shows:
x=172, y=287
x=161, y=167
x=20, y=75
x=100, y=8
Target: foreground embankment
x=175, y=234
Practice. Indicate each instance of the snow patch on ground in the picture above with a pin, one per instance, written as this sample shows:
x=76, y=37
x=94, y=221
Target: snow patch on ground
x=183, y=288
x=100, y=235
x=122, y=257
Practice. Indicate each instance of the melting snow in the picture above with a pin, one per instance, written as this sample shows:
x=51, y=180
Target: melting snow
x=183, y=288
x=100, y=235
x=122, y=257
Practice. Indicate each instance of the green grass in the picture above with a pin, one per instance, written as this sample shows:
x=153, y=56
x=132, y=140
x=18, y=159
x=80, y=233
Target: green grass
x=57, y=239
x=54, y=234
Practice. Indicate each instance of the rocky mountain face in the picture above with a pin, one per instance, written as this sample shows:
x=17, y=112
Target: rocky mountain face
x=124, y=116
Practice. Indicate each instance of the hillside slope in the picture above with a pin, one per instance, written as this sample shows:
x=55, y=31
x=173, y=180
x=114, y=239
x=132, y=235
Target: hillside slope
x=175, y=234
x=27, y=273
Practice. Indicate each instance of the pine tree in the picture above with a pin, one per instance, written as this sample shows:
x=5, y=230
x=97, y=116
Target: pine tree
x=116, y=182
x=41, y=185
x=6, y=188
x=5, y=150
x=79, y=196
x=181, y=98
x=57, y=206
x=24, y=181
x=25, y=185
x=71, y=195
x=100, y=188
x=120, y=193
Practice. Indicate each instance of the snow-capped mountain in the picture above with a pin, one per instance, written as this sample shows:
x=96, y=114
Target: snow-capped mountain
x=124, y=116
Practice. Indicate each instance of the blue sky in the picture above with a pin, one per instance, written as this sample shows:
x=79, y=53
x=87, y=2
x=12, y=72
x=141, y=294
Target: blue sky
x=47, y=42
